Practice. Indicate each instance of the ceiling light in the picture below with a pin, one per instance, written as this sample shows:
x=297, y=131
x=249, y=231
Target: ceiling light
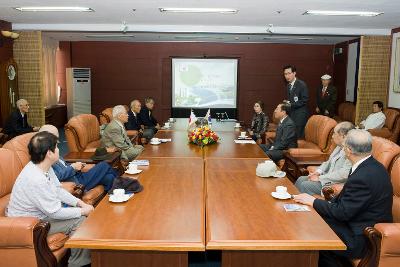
x=53, y=9
x=197, y=37
x=341, y=13
x=199, y=10
x=287, y=38
x=110, y=36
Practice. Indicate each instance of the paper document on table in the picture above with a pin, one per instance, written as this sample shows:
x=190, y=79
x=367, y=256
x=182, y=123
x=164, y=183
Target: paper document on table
x=164, y=140
x=142, y=162
x=296, y=207
x=244, y=141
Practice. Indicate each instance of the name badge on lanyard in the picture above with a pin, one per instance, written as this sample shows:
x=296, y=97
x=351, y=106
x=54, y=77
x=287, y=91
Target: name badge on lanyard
x=295, y=99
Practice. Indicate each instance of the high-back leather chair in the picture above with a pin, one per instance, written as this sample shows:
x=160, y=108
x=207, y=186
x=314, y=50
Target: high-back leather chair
x=19, y=145
x=82, y=133
x=384, y=150
x=105, y=117
x=391, y=129
x=346, y=112
x=24, y=241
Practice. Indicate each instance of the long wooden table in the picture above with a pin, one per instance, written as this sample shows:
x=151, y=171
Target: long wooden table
x=250, y=226
x=156, y=227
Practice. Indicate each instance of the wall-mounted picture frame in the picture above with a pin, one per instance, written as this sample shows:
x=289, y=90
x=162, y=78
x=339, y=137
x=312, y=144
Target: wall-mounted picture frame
x=396, y=80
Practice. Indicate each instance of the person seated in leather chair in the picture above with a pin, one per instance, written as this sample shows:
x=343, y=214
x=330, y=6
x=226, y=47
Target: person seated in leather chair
x=115, y=135
x=259, y=123
x=17, y=122
x=38, y=193
x=134, y=121
x=334, y=170
x=285, y=134
x=100, y=174
x=366, y=199
x=150, y=123
x=375, y=120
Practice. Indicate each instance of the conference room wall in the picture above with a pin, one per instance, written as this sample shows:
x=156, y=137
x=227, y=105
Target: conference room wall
x=122, y=71
x=63, y=61
x=6, y=47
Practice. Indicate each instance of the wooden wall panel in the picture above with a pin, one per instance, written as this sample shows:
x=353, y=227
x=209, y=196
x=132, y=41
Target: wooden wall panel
x=63, y=61
x=6, y=47
x=123, y=71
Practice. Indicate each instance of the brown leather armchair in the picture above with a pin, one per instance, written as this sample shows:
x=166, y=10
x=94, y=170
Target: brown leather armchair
x=346, y=112
x=105, y=116
x=19, y=145
x=24, y=241
x=391, y=129
x=82, y=133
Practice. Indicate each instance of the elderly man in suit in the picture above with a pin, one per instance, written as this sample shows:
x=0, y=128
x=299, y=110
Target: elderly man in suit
x=285, y=134
x=151, y=126
x=134, y=121
x=366, y=199
x=326, y=97
x=115, y=135
x=17, y=122
x=333, y=171
x=298, y=97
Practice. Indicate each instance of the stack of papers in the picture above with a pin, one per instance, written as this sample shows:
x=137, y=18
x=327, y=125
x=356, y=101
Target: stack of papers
x=141, y=162
x=245, y=141
x=165, y=140
x=296, y=207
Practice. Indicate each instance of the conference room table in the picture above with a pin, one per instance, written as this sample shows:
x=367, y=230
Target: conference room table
x=198, y=199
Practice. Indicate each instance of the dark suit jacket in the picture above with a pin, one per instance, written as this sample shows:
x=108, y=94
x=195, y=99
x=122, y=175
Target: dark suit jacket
x=366, y=199
x=299, y=110
x=328, y=101
x=134, y=122
x=17, y=125
x=285, y=135
x=147, y=118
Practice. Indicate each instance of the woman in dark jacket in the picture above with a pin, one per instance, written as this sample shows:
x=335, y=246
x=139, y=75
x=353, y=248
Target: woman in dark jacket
x=259, y=123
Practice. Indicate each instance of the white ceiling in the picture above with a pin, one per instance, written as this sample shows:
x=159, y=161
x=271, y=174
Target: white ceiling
x=148, y=24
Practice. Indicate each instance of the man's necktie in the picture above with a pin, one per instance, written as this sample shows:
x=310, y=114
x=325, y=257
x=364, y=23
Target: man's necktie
x=323, y=91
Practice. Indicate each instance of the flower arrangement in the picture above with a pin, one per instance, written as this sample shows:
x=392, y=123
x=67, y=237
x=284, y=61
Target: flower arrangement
x=203, y=136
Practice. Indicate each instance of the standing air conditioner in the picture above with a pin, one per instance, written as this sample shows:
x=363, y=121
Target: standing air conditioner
x=78, y=91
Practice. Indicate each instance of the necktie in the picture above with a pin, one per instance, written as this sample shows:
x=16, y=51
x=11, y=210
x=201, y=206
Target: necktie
x=290, y=87
x=323, y=91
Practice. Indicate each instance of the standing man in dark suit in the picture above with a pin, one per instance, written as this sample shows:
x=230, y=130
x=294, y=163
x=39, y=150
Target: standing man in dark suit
x=365, y=200
x=326, y=97
x=150, y=123
x=17, y=123
x=298, y=96
x=134, y=122
x=285, y=134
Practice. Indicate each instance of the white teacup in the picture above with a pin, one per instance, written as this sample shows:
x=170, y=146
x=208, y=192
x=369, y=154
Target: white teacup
x=171, y=119
x=237, y=125
x=242, y=134
x=132, y=167
x=119, y=193
x=166, y=125
x=155, y=140
x=281, y=189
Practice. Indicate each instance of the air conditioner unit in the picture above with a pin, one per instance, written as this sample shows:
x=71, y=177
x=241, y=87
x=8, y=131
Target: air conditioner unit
x=78, y=91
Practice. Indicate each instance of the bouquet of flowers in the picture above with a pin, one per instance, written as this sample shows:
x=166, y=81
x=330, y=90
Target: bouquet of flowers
x=203, y=136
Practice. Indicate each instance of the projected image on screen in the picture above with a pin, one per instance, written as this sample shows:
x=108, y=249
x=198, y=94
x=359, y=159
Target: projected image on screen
x=204, y=83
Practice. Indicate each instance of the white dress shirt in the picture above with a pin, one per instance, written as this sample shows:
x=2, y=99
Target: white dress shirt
x=355, y=166
x=374, y=121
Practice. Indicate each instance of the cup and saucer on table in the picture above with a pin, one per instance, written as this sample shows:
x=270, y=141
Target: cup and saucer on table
x=119, y=196
x=268, y=168
x=132, y=169
x=281, y=193
x=243, y=136
x=237, y=125
x=155, y=141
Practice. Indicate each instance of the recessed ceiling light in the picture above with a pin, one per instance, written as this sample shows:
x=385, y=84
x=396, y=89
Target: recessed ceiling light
x=110, y=36
x=287, y=38
x=54, y=9
x=199, y=10
x=197, y=37
x=341, y=13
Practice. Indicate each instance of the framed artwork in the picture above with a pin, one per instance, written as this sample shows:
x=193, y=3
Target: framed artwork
x=396, y=80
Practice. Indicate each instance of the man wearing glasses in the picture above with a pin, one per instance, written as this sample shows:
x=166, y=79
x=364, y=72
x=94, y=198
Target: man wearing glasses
x=17, y=122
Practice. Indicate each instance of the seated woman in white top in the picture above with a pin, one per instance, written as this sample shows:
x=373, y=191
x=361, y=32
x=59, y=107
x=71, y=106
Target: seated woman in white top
x=375, y=120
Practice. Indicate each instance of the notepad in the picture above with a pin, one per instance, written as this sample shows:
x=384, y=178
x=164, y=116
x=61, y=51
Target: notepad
x=164, y=140
x=141, y=162
x=295, y=207
x=245, y=142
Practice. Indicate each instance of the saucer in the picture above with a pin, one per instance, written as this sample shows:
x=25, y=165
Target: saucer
x=280, y=174
x=126, y=197
x=281, y=196
x=152, y=143
x=237, y=126
x=133, y=172
x=242, y=137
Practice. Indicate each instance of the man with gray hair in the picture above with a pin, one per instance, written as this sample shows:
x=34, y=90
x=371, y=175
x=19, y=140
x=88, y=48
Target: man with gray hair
x=366, y=199
x=115, y=135
x=17, y=122
x=334, y=170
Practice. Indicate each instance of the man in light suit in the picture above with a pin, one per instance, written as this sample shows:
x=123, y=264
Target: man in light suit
x=115, y=135
x=333, y=171
x=285, y=134
x=326, y=97
x=298, y=96
x=366, y=199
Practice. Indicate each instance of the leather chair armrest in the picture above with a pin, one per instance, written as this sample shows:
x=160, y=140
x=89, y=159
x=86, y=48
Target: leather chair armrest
x=384, y=132
x=304, y=152
x=132, y=133
x=390, y=234
x=17, y=231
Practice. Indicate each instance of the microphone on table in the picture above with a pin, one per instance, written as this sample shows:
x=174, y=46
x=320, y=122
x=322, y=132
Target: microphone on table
x=226, y=114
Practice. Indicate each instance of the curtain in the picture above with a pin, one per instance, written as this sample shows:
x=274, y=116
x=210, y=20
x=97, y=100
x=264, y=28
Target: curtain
x=49, y=49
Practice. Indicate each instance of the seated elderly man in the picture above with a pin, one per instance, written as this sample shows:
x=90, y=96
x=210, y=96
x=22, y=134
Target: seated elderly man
x=17, y=122
x=334, y=170
x=375, y=120
x=115, y=135
x=366, y=199
x=134, y=122
x=102, y=173
x=38, y=193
